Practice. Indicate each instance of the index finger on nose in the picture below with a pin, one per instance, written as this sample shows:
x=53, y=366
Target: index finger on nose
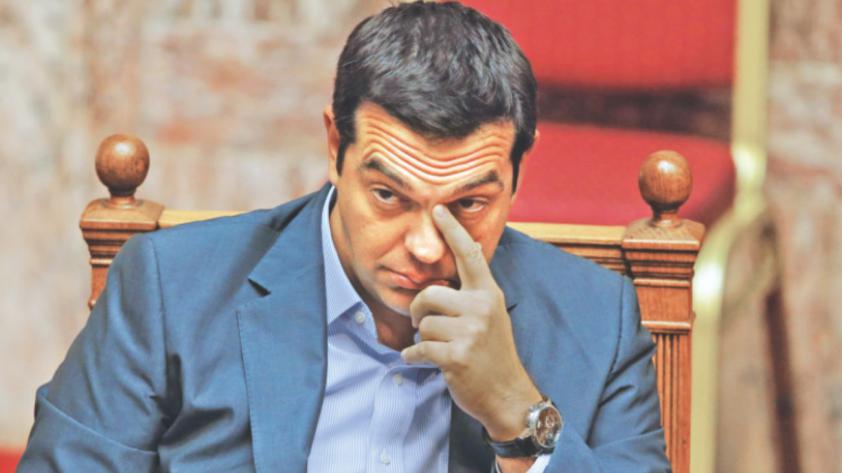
x=470, y=262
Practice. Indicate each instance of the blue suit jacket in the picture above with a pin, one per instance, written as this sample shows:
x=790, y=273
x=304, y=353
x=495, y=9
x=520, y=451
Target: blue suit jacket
x=207, y=351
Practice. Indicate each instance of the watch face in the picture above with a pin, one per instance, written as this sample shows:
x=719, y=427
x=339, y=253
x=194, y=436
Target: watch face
x=548, y=427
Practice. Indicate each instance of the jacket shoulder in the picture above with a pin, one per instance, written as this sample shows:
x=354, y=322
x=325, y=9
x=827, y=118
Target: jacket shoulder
x=566, y=297
x=219, y=252
x=547, y=267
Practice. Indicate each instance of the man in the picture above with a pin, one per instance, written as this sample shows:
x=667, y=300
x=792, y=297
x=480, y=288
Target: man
x=389, y=322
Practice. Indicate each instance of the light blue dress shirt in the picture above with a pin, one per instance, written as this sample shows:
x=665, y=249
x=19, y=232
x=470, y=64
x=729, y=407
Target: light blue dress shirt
x=378, y=414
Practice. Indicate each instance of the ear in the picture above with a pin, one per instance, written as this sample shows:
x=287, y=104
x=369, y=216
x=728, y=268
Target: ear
x=523, y=159
x=332, y=143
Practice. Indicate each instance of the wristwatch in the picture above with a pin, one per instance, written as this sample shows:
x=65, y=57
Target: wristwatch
x=543, y=429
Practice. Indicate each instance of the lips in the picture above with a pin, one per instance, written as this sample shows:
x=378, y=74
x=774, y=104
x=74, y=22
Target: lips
x=415, y=282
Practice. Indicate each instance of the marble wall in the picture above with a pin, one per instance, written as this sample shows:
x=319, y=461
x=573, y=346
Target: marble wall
x=227, y=94
x=800, y=428
x=804, y=189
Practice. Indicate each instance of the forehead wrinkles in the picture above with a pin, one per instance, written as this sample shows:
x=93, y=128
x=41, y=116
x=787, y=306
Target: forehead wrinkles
x=441, y=179
x=436, y=168
x=424, y=168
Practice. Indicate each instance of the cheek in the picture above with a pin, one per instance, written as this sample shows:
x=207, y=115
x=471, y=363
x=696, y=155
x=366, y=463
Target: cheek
x=376, y=238
x=372, y=236
x=487, y=231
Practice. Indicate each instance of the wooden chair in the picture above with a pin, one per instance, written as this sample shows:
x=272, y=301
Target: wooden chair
x=658, y=253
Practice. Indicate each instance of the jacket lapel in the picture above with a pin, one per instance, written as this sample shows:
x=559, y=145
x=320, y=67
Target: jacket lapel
x=283, y=341
x=505, y=268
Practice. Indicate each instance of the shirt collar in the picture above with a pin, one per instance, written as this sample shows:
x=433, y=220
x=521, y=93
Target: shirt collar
x=339, y=291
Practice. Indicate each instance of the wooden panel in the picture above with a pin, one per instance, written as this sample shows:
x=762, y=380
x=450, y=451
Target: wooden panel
x=601, y=244
x=171, y=217
x=673, y=351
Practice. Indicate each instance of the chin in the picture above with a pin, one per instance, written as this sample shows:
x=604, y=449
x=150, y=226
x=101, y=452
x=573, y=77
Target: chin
x=398, y=300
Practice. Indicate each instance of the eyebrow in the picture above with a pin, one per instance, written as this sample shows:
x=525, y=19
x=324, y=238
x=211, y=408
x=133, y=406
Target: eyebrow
x=375, y=164
x=491, y=177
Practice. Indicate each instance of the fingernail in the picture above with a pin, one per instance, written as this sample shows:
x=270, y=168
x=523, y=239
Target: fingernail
x=438, y=211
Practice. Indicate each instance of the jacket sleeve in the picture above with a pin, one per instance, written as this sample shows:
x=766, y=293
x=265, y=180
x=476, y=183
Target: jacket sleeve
x=626, y=435
x=106, y=407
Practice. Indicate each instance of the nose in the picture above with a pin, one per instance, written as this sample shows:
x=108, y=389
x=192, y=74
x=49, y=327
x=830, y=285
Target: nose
x=424, y=241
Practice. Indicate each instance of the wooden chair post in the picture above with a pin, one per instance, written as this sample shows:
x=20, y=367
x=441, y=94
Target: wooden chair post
x=122, y=162
x=660, y=253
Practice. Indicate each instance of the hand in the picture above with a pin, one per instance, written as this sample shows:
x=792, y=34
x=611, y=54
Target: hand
x=468, y=334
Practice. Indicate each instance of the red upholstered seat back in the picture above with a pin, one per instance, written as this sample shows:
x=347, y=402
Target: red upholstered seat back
x=622, y=44
x=590, y=173
x=9, y=460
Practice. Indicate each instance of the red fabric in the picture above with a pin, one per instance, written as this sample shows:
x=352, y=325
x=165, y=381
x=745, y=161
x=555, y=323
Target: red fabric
x=8, y=461
x=629, y=44
x=582, y=174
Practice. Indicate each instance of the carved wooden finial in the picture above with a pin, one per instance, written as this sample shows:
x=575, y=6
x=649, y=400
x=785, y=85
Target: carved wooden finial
x=122, y=162
x=665, y=183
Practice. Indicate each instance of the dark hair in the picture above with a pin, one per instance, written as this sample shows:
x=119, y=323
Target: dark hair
x=443, y=69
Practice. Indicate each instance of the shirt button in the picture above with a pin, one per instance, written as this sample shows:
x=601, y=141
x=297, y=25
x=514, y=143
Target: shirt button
x=359, y=318
x=398, y=379
x=384, y=458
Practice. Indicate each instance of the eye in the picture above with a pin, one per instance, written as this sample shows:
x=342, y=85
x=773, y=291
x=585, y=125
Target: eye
x=470, y=205
x=384, y=195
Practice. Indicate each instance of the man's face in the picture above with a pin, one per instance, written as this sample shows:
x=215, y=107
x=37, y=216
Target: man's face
x=391, y=179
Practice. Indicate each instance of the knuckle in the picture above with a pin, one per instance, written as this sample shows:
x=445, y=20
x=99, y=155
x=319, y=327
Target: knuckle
x=414, y=308
x=460, y=358
x=484, y=306
x=408, y=354
x=418, y=303
x=475, y=251
x=475, y=329
x=424, y=325
x=428, y=294
x=431, y=292
x=498, y=297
